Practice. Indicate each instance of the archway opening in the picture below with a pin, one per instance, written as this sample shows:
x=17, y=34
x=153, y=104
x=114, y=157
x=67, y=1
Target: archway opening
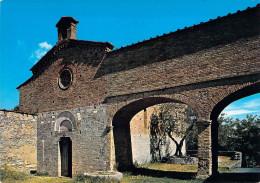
x=133, y=138
x=65, y=157
x=227, y=131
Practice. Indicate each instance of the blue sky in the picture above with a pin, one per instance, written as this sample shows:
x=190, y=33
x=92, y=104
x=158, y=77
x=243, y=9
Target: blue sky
x=28, y=30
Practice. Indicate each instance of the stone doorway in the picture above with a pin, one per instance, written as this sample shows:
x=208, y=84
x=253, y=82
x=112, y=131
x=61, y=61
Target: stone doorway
x=65, y=147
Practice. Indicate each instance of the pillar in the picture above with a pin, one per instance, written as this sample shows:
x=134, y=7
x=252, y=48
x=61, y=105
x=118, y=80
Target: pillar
x=214, y=133
x=123, y=150
x=204, y=149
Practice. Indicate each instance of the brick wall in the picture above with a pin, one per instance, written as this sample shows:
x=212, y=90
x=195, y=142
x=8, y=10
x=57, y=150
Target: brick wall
x=221, y=48
x=215, y=63
x=215, y=33
x=42, y=92
x=18, y=140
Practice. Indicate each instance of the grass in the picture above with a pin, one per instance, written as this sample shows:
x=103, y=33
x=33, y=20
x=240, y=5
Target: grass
x=225, y=161
x=35, y=179
x=172, y=167
x=141, y=179
x=9, y=175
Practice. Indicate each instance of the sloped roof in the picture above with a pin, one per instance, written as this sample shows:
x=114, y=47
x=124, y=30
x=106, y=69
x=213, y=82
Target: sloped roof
x=66, y=19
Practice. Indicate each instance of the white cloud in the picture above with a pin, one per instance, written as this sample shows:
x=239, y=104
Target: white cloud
x=248, y=105
x=232, y=107
x=237, y=112
x=252, y=104
x=44, y=47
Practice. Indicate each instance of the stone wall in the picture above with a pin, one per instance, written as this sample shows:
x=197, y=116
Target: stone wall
x=18, y=140
x=88, y=136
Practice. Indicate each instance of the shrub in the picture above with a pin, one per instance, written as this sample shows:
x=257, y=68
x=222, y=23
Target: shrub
x=9, y=173
x=46, y=174
x=79, y=178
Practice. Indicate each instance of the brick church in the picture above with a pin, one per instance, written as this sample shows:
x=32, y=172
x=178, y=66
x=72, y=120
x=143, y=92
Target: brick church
x=83, y=94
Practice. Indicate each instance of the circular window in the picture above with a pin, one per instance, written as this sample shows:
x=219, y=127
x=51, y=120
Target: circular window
x=65, y=79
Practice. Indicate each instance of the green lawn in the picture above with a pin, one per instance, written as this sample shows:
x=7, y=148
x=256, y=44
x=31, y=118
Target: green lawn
x=154, y=172
x=139, y=179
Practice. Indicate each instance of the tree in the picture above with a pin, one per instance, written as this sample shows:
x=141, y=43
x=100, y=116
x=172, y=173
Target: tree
x=16, y=108
x=243, y=136
x=165, y=122
x=236, y=135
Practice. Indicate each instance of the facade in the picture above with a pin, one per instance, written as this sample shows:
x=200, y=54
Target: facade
x=85, y=93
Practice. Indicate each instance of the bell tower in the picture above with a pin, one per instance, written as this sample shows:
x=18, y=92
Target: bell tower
x=67, y=28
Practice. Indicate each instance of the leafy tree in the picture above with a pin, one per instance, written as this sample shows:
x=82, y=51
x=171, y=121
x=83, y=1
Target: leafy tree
x=243, y=136
x=165, y=122
x=236, y=135
x=192, y=139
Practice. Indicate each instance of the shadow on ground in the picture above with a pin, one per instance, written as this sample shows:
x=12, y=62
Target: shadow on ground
x=223, y=177
x=160, y=173
x=235, y=177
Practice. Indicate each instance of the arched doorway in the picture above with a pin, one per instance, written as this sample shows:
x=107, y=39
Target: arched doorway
x=65, y=156
x=242, y=93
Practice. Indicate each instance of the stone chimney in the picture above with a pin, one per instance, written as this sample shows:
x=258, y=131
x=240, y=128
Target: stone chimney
x=67, y=28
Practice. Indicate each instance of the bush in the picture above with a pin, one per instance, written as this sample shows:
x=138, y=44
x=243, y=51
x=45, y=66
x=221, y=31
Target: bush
x=9, y=173
x=79, y=178
x=45, y=174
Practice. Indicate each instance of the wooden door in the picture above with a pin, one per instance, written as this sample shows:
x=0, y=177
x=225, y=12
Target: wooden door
x=66, y=156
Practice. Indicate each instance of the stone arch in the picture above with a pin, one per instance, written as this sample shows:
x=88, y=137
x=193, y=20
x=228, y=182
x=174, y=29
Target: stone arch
x=65, y=117
x=218, y=108
x=236, y=95
x=121, y=130
x=65, y=126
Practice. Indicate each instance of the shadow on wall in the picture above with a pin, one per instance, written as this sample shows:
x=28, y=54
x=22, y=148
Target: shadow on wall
x=159, y=132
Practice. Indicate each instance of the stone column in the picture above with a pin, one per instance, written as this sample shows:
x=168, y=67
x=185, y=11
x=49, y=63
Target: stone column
x=214, y=133
x=204, y=149
x=123, y=150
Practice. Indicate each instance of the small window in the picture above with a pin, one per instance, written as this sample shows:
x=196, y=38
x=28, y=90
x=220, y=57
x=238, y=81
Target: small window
x=65, y=79
x=65, y=126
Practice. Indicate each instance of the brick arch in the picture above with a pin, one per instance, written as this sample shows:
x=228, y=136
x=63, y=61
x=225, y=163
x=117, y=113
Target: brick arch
x=233, y=96
x=236, y=94
x=121, y=130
